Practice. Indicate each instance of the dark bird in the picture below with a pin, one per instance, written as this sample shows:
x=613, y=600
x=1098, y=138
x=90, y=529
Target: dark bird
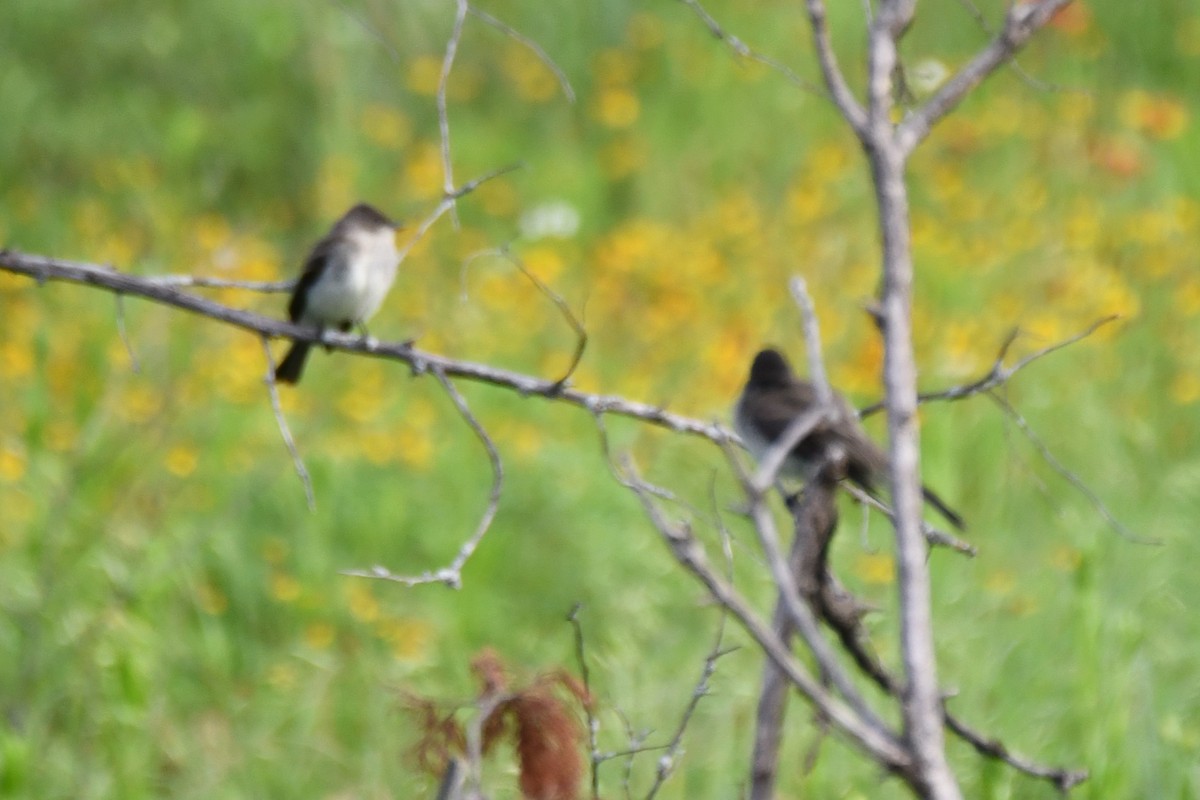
x=774, y=396
x=345, y=278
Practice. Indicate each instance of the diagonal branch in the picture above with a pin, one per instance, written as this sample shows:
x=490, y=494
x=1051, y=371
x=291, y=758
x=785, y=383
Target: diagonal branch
x=867, y=732
x=1023, y=20
x=593, y=724
x=44, y=268
x=999, y=374
x=452, y=575
x=934, y=536
x=284, y=431
x=533, y=46
x=854, y=638
x=581, y=335
x=843, y=97
x=448, y=201
x=745, y=51
x=460, y=16
x=123, y=332
x=666, y=764
x=1067, y=474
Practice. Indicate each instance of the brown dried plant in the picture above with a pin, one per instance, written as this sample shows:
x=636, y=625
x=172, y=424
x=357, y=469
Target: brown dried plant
x=537, y=719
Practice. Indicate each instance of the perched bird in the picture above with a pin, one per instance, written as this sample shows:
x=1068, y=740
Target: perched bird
x=345, y=278
x=774, y=396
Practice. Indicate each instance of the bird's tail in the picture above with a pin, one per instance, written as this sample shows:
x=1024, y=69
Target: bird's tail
x=950, y=514
x=292, y=366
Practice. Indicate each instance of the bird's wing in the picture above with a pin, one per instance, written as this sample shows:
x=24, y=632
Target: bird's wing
x=775, y=412
x=314, y=268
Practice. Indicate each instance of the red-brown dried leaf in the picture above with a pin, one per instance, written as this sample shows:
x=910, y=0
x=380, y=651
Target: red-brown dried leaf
x=441, y=735
x=489, y=668
x=547, y=743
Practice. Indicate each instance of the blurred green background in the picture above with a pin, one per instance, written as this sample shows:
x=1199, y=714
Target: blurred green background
x=172, y=618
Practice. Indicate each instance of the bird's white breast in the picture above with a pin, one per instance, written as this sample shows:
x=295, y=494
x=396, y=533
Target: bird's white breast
x=356, y=279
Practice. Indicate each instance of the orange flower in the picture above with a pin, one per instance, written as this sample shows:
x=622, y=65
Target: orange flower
x=1117, y=157
x=1073, y=19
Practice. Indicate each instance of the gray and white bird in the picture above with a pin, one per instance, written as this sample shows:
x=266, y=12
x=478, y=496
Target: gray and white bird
x=345, y=279
x=774, y=396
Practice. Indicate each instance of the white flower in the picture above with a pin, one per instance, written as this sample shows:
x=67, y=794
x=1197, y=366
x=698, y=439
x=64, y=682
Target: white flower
x=928, y=74
x=556, y=218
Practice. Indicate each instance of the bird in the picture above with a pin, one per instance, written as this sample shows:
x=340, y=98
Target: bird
x=345, y=279
x=774, y=396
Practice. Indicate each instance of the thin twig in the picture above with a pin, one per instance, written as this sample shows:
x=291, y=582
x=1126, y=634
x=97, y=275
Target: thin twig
x=666, y=764
x=773, y=460
x=867, y=731
x=1062, y=778
x=284, y=431
x=452, y=575
x=1022, y=21
x=447, y=202
x=593, y=725
x=202, y=282
x=999, y=374
x=581, y=336
x=745, y=51
x=933, y=535
x=812, y=340
x=1022, y=73
x=637, y=745
x=1071, y=477
x=533, y=46
x=460, y=16
x=846, y=102
x=134, y=364
x=371, y=30
x=485, y=707
x=854, y=639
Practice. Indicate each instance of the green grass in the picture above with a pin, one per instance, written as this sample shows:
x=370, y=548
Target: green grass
x=172, y=618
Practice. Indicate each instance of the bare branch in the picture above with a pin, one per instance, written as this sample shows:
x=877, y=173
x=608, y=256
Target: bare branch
x=868, y=732
x=124, y=334
x=847, y=104
x=284, y=431
x=593, y=725
x=581, y=336
x=371, y=30
x=447, y=202
x=1062, y=778
x=1066, y=473
x=1023, y=20
x=854, y=639
x=1028, y=79
x=452, y=780
x=998, y=375
x=666, y=764
x=812, y=340
x=43, y=268
x=745, y=51
x=460, y=16
x=801, y=616
x=933, y=535
x=772, y=461
x=487, y=704
x=202, y=282
x=537, y=50
x=452, y=575
x=814, y=517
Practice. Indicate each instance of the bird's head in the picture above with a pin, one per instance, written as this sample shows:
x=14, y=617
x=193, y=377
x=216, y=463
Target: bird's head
x=770, y=368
